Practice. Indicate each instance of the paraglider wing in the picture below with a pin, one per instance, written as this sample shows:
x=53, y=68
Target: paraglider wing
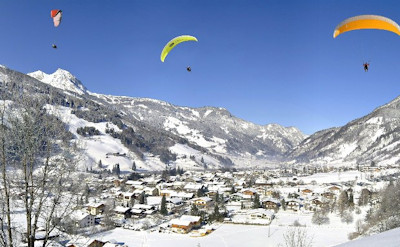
x=173, y=42
x=56, y=14
x=366, y=22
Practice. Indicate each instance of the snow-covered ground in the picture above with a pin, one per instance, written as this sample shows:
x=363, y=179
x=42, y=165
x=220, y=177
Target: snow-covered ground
x=226, y=235
x=390, y=238
x=233, y=235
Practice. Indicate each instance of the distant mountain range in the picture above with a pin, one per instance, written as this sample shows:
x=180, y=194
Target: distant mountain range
x=153, y=133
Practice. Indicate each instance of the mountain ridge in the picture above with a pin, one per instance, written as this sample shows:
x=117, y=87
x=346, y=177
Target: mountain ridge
x=215, y=135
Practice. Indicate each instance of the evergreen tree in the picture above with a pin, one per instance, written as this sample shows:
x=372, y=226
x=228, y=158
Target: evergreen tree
x=165, y=173
x=116, y=170
x=256, y=201
x=142, y=198
x=351, y=201
x=216, y=215
x=133, y=166
x=100, y=164
x=343, y=202
x=200, y=192
x=163, y=207
x=194, y=210
x=216, y=198
x=283, y=204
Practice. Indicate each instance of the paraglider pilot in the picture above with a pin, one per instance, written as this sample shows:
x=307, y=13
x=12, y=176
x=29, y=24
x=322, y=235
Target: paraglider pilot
x=54, y=46
x=366, y=65
x=188, y=69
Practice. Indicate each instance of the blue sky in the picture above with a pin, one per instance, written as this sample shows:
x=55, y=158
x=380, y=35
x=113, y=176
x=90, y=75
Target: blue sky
x=264, y=61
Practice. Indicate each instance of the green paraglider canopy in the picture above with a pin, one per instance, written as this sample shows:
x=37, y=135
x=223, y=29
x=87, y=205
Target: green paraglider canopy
x=174, y=42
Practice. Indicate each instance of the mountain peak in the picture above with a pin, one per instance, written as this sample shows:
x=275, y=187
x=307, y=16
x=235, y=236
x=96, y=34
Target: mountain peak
x=62, y=79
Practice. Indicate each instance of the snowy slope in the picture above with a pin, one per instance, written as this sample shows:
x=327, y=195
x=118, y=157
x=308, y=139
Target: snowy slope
x=389, y=238
x=95, y=148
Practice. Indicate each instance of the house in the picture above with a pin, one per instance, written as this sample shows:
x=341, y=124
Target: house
x=154, y=201
x=191, y=187
x=328, y=195
x=119, y=182
x=202, y=202
x=263, y=182
x=249, y=191
x=123, y=212
x=151, y=191
x=236, y=197
x=82, y=219
x=261, y=213
x=182, y=195
x=270, y=203
x=181, y=226
x=293, y=204
x=178, y=185
x=127, y=198
x=166, y=193
x=133, y=184
x=96, y=208
x=293, y=195
x=334, y=189
x=176, y=201
x=272, y=193
x=316, y=203
x=306, y=192
x=96, y=243
x=185, y=223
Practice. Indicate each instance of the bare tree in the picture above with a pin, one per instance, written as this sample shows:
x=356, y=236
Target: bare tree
x=320, y=217
x=297, y=237
x=36, y=163
x=347, y=217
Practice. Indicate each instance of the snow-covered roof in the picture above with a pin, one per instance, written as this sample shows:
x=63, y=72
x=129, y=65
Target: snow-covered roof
x=78, y=215
x=120, y=209
x=142, y=206
x=204, y=198
x=190, y=218
x=180, y=222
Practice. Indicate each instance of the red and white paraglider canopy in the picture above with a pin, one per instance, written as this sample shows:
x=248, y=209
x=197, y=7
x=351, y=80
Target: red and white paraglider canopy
x=56, y=14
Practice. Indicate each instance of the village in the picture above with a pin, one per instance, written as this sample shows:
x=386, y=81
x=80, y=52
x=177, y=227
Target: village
x=196, y=203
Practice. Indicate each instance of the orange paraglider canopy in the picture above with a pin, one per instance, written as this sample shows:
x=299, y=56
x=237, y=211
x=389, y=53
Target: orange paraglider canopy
x=366, y=22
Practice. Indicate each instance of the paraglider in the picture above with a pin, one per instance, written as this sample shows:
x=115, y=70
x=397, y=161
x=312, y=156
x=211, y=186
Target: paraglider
x=366, y=22
x=174, y=42
x=56, y=14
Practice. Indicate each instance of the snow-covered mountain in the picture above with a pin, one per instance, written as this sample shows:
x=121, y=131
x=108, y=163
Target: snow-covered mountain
x=60, y=79
x=374, y=138
x=154, y=133
x=212, y=128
